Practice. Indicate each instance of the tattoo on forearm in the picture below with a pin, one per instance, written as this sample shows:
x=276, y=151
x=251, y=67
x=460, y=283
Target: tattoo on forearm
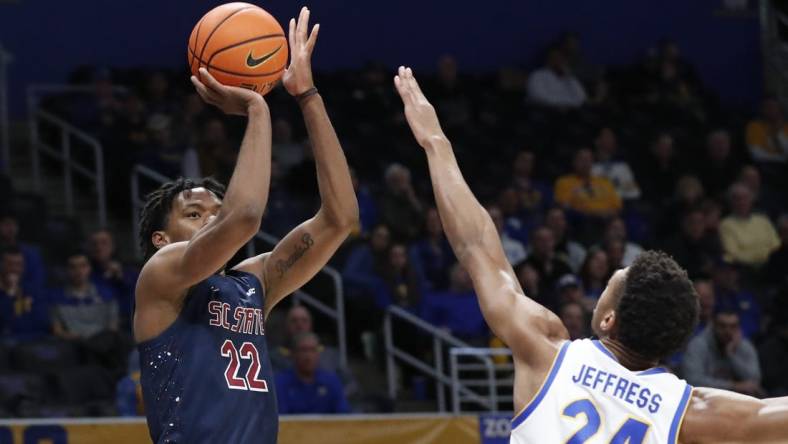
x=306, y=243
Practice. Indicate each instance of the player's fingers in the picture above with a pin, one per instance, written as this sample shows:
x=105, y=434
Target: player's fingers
x=398, y=85
x=202, y=91
x=402, y=84
x=310, y=44
x=210, y=82
x=303, y=25
x=416, y=87
x=291, y=33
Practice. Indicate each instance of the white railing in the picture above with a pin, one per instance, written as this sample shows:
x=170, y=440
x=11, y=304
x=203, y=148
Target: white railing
x=5, y=145
x=62, y=150
x=437, y=371
x=335, y=312
x=498, y=376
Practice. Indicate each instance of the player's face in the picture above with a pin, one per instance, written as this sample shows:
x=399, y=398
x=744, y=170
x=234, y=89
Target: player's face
x=191, y=211
x=603, y=320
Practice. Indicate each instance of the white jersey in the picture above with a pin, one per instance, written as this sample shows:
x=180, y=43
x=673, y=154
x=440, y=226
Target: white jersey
x=589, y=398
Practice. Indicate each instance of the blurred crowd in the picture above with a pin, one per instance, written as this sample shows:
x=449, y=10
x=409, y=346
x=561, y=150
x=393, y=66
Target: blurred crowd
x=581, y=167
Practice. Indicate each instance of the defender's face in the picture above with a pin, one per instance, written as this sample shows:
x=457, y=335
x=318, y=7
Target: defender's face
x=603, y=319
x=191, y=211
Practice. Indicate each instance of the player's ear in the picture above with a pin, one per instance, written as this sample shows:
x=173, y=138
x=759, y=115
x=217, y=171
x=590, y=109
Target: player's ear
x=159, y=239
x=608, y=323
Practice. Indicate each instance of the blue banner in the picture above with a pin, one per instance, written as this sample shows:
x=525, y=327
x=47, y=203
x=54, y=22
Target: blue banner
x=494, y=428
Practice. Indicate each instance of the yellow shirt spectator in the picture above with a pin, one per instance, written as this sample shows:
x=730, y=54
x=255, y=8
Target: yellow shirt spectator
x=767, y=137
x=765, y=143
x=748, y=240
x=595, y=195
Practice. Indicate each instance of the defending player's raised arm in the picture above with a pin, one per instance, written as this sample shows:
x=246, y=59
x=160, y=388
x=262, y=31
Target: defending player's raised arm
x=305, y=250
x=527, y=327
x=180, y=265
x=719, y=416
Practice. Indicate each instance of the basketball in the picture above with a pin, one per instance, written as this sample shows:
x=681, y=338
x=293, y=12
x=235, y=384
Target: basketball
x=240, y=44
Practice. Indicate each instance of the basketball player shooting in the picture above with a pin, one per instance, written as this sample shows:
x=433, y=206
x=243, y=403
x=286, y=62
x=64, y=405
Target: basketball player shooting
x=588, y=391
x=206, y=373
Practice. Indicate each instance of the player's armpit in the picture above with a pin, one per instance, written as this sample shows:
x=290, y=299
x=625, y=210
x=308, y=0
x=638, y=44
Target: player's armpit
x=720, y=416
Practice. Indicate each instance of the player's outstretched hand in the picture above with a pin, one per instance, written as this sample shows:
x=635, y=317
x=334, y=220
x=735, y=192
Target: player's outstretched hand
x=230, y=99
x=298, y=76
x=419, y=112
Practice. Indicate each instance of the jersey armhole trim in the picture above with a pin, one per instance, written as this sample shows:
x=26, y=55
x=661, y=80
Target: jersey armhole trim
x=678, y=418
x=540, y=394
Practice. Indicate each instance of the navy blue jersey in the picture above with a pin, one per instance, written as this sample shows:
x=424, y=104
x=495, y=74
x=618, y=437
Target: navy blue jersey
x=208, y=378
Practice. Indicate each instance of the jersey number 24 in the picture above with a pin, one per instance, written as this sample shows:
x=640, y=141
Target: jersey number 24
x=631, y=431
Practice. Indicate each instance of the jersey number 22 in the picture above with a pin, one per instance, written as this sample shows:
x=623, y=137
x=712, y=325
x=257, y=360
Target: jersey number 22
x=252, y=380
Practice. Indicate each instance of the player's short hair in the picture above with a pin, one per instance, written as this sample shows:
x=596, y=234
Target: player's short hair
x=154, y=214
x=658, y=307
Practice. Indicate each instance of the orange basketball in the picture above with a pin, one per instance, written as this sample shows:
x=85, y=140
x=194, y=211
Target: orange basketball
x=241, y=45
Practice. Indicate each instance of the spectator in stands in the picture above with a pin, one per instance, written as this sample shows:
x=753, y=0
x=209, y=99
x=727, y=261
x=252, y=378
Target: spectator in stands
x=215, y=150
x=707, y=301
x=23, y=310
x=718, y=168
x=659, y=171
x=767, y=136
x=287, y=151
x=712, y=216
x=514, y=249
x=747, y=238
x=165, y=154
x=607, y=165
x=775, y=270
x=570, y=290
x=306, y=388
x=573, y=253
x=83, y=309
x=158, y=94
x=774, y=353
x=457, y=309
x=399, y=283
x=399, y=206
x=616, y=230
x=359, y=271
x=297, y=322
x=450, y=97
x=367, y=209
x=693, y=248
x=517, y=219
x=528, y=278
x=721, y=357
x=574, y=318
x=128, y=391
x=614, y=248
x=587, y=72
x=554, y=86
x=549, y=266
x=764, y=200
x=595, y=273
x=732, y=296
x=535, y=195
x=34, y=276
x=585, y=193
x=109, y=272
x=432, y=256
x=688, y=196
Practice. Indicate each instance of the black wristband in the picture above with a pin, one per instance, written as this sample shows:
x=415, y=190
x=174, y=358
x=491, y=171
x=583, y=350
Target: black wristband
x=304, y=95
